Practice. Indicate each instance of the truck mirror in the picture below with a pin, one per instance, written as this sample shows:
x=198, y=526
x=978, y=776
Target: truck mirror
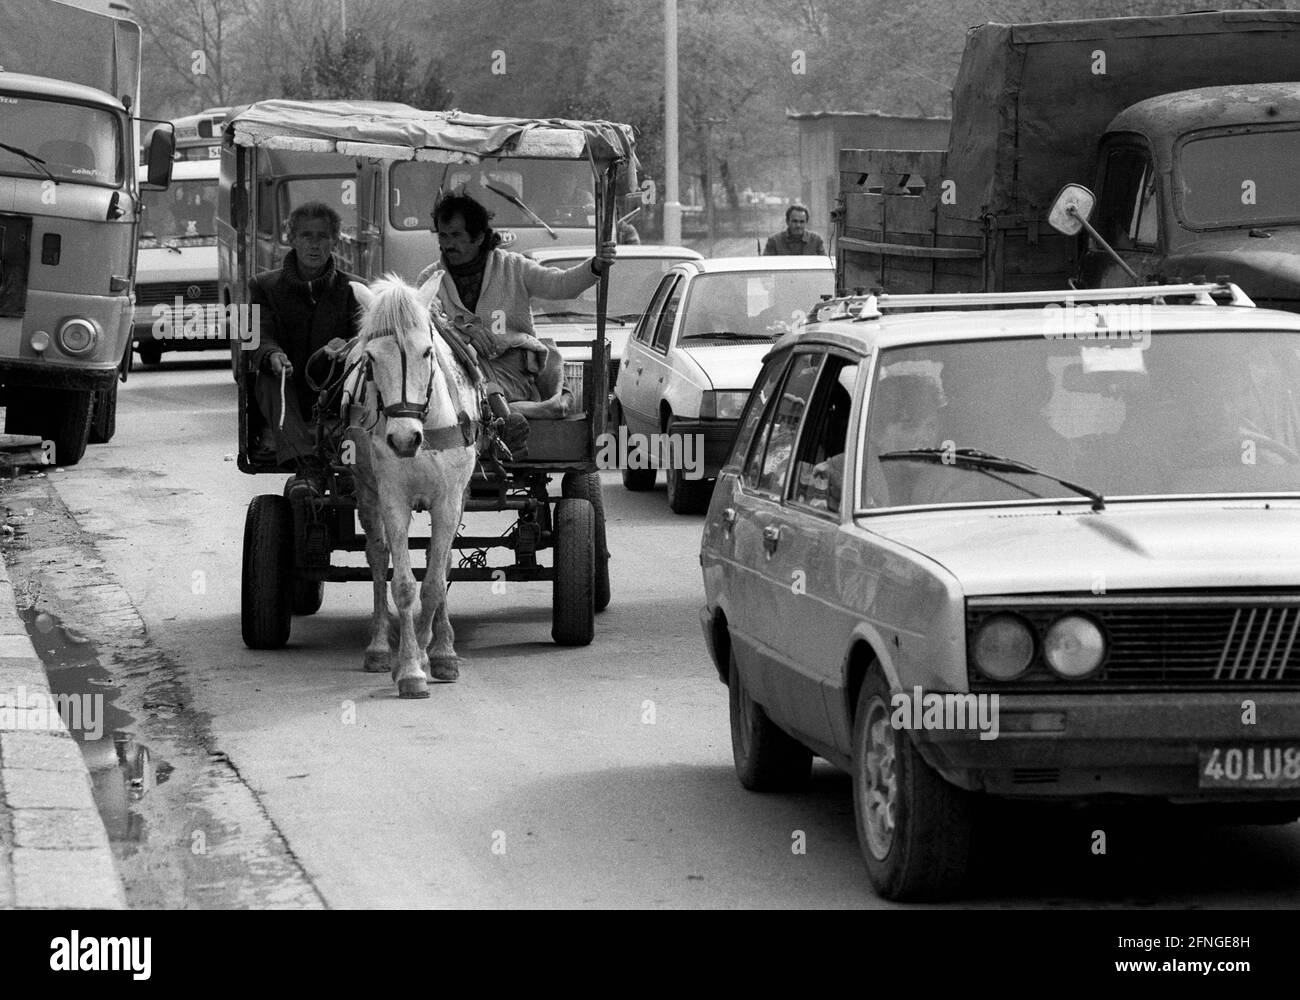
x=162, y=151
x=1071, y=209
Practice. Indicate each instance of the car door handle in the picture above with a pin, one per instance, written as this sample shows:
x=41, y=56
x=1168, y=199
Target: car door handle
x=771, y=536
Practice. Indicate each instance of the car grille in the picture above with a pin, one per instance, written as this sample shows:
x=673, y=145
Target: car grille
x=167, y=291
x=1220, y=643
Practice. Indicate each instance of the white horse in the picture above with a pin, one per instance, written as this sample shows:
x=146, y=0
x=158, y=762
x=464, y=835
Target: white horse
x=411, y=413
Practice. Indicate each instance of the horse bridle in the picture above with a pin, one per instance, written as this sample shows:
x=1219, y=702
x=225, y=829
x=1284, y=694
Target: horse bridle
x=405, y=407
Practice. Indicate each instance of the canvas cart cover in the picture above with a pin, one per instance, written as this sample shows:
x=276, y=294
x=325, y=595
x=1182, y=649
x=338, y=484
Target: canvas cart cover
x=44, y=38
x=1032, y=100
x=394, y=131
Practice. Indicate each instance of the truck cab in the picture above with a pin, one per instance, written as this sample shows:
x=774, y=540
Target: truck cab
x=1202, y=182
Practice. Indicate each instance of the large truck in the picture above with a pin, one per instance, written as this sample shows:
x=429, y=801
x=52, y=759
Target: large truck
x=1187, y=127
x=69, y=211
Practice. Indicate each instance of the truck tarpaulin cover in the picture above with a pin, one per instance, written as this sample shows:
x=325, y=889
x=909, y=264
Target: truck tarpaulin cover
x=397, y=131
x=44, y=38
x=1032, y=100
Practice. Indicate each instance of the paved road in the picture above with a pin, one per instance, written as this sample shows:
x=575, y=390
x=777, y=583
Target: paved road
x=557, y=777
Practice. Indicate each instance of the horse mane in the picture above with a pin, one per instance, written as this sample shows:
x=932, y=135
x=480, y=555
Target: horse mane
x=394, y=309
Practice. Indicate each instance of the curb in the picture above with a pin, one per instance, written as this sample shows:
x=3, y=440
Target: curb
x=54, y=849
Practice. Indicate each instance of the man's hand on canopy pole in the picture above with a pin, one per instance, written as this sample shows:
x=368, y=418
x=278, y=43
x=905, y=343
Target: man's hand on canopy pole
x=604, y=258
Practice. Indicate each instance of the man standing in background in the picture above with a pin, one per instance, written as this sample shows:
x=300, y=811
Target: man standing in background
x=796, y=240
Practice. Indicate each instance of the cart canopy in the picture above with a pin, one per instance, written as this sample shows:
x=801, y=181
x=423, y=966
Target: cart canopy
x=400, y=132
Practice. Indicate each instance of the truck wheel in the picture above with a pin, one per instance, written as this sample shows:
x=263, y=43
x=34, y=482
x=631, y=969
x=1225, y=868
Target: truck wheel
x=266, y=595
x=150, y=354
x=915, y=829
x=767, y=758
x=103, y=424
x=586, y=486
x=61, y=416
x=573, y=592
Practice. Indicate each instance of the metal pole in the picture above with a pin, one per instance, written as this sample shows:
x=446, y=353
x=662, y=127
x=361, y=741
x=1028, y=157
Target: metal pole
x=343, y=14
x=672, y=206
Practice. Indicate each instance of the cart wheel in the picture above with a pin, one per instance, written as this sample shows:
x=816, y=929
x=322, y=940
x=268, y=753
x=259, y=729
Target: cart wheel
x=307, y=596
x=103, y=421
x=573, y=605
x=586, y=486
x=267, y=592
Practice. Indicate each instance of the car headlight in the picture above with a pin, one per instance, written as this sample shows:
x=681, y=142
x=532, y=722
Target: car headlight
x=1003, y=647
x=723, y=405
x=77, y=336
x=1074, y=646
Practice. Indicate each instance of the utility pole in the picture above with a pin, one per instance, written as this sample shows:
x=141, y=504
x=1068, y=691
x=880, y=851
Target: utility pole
x=709, y=205
x=672, y=204
x=343, y=15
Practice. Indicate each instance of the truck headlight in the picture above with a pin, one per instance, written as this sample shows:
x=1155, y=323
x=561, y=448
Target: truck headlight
x=77, y=336
x=1074, y=646
x=723, y=405
x=1003, y=647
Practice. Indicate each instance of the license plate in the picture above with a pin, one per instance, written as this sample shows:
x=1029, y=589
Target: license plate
x=1250, y=765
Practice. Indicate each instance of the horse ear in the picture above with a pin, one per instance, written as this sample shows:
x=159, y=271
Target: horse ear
x=363, y=293
x=427, y=292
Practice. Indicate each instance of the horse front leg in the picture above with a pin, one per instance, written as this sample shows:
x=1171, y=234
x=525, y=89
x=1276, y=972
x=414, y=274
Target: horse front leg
x=408, y=669
x=444, y=517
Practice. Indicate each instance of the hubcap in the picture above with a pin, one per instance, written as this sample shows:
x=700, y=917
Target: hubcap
x=878, y=781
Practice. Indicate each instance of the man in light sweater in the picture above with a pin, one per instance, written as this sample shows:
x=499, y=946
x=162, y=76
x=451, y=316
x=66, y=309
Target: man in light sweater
x=486, y=292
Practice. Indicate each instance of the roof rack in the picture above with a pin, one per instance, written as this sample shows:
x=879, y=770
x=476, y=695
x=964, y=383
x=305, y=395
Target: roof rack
x=866, y=307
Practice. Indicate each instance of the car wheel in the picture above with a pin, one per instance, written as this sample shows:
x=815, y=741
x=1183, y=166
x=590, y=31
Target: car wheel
x=636, y=480
x=767, y=758
x=915, y=829
x=150, y=354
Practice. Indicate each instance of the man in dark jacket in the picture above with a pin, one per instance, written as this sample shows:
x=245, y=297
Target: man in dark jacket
x=306, y=305
x=796, y=240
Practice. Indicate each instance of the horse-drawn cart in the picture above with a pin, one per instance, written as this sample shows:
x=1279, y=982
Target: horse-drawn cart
x=289, y=545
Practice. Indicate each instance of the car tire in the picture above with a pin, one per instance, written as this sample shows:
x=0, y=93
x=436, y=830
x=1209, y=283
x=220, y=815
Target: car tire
x=635, y=480
x=150, y=354
x=687, y=496
x=915, y=829
x=767, y=758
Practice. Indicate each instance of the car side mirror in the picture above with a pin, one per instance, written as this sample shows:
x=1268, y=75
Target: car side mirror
x=162, y=153
x=1071, y=209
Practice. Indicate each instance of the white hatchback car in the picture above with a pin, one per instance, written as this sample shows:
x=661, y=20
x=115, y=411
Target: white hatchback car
x=692, y=360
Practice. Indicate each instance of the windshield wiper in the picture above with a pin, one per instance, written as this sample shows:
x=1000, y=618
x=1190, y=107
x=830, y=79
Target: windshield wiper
x=973, y=458
x=727, y=335
x=518, y=203
x=30, y=158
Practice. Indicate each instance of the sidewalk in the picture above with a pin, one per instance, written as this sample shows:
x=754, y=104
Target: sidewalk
x=54, y=850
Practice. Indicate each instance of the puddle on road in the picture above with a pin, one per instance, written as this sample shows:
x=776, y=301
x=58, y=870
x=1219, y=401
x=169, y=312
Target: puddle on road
x=122, y=770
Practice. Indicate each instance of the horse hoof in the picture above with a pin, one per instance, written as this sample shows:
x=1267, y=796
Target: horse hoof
x=444, y=669
x=413, y=687
x=376, y=663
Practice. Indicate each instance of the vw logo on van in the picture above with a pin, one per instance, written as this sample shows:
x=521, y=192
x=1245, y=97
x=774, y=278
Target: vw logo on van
x=192, y=292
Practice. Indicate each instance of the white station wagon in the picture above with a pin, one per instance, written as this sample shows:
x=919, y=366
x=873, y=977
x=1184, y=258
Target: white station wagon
x=691, y=361
x=1044, y=552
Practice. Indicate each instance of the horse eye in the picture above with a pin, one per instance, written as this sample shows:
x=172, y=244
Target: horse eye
x=428, y=352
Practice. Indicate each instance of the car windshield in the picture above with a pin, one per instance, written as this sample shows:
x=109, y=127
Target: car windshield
x=78, y=143
x=185, y=215
x=559, y=191
x=755, y=304
x=1173, y=413
x=1239, y=180
x=631, y=283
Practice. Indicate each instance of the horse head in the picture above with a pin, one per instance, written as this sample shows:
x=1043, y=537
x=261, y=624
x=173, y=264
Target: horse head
x=397, y=352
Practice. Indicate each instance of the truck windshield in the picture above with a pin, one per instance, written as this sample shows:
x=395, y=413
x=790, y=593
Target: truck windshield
x=184, y=214
x=1154, y=414
x=1240, y=180
x=559, y=191
x=78, y=143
